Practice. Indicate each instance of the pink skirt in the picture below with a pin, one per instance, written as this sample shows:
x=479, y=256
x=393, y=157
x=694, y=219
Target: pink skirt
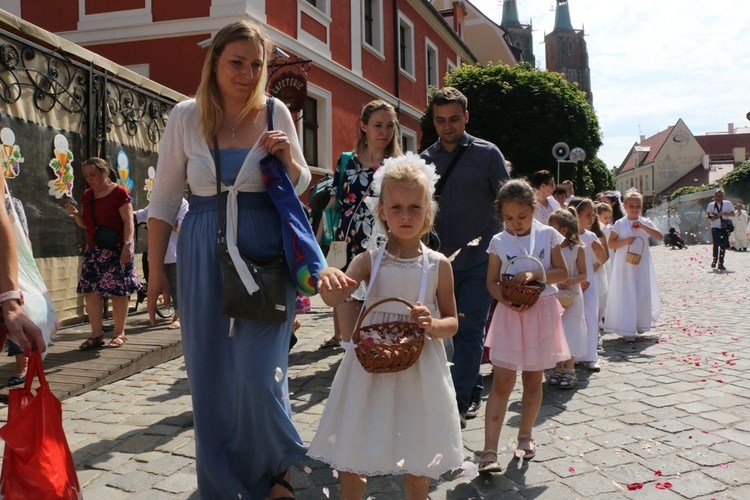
x=529, y=341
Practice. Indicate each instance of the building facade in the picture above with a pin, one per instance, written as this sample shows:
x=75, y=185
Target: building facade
x=566, y=51
x=358, y=51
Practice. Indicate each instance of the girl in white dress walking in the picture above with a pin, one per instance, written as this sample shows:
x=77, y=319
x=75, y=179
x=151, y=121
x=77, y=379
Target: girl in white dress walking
x=633, y=304
x=574, y=324
x=404, y=422
x=522, y=338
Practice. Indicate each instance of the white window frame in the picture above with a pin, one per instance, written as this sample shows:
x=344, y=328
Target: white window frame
x=430, y=47
x=411, y=139
x=324, y=129
x=324, y=6
x=320, y=16
x=114, y=19
x=410, y=62
x=376, y=48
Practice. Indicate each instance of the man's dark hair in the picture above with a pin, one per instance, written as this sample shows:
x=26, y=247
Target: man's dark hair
x=560, y=189
x=447, y=95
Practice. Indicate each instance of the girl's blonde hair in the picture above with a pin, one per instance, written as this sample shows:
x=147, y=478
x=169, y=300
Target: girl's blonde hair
x=567, y=218
x=577, y=203
x=208, y=97
x=394, y=147
x=632, y=193
x=410, y=175
x=602, y=207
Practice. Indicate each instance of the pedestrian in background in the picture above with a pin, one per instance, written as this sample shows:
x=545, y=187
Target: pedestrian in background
x=170, y=257
x=717, y=211
x=471, y=171
x=245, y=438
x=110, y=271
x=377, y=139
x=543, y=183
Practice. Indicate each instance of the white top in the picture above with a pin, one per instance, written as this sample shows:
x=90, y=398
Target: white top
x=506, y=246
x=726, y=206
x=542, y=213
x=170, y=257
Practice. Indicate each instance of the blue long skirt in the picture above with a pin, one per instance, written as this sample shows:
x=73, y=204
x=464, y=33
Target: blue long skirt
x=243, y=428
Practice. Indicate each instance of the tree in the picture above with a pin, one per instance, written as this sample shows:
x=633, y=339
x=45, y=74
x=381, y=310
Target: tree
x=525, y=112
x=737, y=182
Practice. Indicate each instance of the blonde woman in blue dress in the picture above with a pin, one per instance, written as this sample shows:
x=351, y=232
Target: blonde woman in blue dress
x=404, y=422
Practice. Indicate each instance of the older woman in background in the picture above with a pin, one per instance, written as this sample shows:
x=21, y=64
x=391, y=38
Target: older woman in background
x=105, y=270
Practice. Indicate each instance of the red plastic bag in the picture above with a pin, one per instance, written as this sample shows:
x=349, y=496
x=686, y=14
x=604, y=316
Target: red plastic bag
x=37, y=462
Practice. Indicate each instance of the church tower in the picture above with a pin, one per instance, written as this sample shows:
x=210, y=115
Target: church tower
x=520, y=34
x=566, y=51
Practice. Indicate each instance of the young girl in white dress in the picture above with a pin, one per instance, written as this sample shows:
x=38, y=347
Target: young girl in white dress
x=633, y=304
x=604, y=211
x=574, y=323
x=522, y=338
x=404, y=422
x=596, y=253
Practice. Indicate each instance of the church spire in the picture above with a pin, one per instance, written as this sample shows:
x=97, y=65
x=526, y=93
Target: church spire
x=510, y=13
x=562, y=16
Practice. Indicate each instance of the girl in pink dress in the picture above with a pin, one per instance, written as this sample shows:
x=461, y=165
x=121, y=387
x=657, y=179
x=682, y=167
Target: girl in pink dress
x=522, y=338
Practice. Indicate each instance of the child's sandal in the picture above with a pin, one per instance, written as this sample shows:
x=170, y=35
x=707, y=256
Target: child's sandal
x=555, y=376
x=568, y=379
x=489, y=465
x=526, y=448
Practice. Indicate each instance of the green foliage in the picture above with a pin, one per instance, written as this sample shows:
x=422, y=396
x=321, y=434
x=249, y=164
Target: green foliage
x=737, y=182
x=690, y=190
x=525, y=112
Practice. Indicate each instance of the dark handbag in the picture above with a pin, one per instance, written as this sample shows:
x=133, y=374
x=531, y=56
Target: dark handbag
x=104, y=237
x=268, y=303
x=727, y=225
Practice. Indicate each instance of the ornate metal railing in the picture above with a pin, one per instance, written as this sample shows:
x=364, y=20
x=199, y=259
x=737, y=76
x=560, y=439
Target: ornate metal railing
x=97, y=103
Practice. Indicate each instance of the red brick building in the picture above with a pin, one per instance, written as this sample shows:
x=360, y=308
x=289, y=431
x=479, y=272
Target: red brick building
x=359, y=51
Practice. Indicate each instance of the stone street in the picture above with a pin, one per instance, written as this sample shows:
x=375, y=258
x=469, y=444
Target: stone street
x=667, y=414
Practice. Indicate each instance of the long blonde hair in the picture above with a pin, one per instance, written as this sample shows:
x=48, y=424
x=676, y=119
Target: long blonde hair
x=567, y=218
x=208, y=97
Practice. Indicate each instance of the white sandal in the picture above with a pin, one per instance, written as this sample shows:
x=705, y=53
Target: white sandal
x=526, y=448
x=489, y=465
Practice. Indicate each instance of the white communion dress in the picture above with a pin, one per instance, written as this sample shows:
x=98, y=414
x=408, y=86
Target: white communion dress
x=394, y=423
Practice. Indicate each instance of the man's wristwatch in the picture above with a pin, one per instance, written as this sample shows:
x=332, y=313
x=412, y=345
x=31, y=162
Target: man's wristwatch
x=130, y=244
x=12, y=295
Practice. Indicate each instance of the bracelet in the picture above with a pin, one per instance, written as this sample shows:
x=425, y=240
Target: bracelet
x=12, y=295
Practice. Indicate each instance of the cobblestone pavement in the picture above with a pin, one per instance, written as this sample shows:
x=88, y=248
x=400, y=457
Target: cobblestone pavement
x=667, y=414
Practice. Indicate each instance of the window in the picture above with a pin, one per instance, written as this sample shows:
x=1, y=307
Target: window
x=406, y=46
x=408, y=140
x=310, y=131
x=647, y=187
x=314, y=130
x=372, y=25
x=321, y=5
x=431, y=63
x=570, y=48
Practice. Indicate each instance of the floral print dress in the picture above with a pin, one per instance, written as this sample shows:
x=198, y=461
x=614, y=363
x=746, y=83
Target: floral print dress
x=355, y=225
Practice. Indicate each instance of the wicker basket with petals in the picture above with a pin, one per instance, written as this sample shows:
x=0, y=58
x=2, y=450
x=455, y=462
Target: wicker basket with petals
x=632, y=257
x=385, y=357
x=518, y=293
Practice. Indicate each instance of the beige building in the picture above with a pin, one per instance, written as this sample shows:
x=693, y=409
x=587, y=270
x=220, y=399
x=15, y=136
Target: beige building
x=659, y=164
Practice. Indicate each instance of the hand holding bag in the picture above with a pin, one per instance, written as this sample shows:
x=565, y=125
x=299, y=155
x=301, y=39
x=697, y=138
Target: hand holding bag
x=302, y=253
x=37, y=462
x=266, y=301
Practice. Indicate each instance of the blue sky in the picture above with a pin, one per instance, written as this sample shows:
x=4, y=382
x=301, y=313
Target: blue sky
x=653, y=62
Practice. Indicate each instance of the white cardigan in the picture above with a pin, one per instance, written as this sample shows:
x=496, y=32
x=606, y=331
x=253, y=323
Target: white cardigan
x=184, y=155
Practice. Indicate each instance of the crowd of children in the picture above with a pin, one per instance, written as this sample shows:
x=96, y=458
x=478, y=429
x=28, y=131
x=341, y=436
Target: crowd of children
x=569, y=254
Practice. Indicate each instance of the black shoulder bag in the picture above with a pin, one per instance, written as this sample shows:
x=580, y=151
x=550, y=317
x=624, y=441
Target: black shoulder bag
x=104, y=236
x=267, y=304
x=432, y=240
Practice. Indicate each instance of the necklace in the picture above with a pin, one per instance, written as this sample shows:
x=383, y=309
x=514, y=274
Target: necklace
x=233, y=129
